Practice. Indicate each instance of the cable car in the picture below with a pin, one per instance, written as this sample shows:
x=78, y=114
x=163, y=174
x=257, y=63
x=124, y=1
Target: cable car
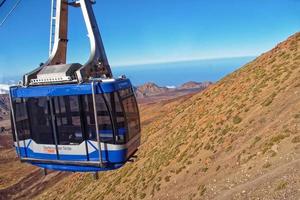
x=74, y=117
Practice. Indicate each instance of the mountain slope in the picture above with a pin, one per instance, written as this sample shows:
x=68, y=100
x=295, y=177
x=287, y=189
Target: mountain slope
x=4, y=106
x=193, y=84
x=239, y=139
x=149, y=89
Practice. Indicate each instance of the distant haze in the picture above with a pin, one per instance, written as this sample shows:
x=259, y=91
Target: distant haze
x=177, y=73
x=4, y=88
x=172, y=73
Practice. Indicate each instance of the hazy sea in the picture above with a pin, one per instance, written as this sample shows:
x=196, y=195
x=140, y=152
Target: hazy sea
x=177, y=73
x=172, y=74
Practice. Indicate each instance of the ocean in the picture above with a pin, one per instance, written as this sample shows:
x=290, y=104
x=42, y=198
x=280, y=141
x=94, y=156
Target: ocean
x=177, y=73
x=171, y=74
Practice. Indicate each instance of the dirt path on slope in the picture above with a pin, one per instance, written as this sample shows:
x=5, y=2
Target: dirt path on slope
x=23, y=181
x=268, y=177
x=31, y=185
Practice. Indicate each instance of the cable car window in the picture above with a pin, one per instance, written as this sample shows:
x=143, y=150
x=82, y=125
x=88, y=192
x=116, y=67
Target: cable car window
x=131, y=112
x=126, y=93
x=131, y=116
x=21, y=117
x=40, y=120
x=118, y=116
x=89, y=118
x=104, y=120
x=67, y=113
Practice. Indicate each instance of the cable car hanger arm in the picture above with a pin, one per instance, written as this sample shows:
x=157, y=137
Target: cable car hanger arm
x=97, y=65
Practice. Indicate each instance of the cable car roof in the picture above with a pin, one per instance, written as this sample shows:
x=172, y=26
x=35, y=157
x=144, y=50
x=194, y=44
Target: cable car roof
x=70, y=89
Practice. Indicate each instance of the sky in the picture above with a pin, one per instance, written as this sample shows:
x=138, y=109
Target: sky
x=150, y=31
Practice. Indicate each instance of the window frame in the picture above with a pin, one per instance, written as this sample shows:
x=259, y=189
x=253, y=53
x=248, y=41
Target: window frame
x=122, y=98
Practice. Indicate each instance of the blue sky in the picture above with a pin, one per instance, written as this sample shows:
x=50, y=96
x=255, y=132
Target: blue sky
x=150, y=31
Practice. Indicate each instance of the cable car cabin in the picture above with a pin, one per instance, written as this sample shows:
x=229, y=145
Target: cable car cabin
x=76, y=127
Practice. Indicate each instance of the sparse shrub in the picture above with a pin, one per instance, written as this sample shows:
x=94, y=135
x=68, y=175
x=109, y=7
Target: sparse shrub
x=262, y=120
x=220, y=140
x=167, y=178
x=269, y=100
x=201, y=189
x=142, y=195
x=272, y=60
x=273, y=153
x=256, y=139
x=297, y=116
x=237, y=119
x=278, y=138
x=296, y=139
x=218, y=168
x=179, y=170
x=266, y=148
x=225, y=130
x=250, y=157
x=204, y=169
x=286, y=56
x=274, y=140
x=282, y=185
x=228, y=148
x=158, y=187
x=266, y=165
x=207, y=146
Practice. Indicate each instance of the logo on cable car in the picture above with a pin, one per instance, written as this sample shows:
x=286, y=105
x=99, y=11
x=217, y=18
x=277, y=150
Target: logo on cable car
x=48, y=149
x=52, y=149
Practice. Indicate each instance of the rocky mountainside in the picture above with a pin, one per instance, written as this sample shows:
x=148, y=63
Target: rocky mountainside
x=193, y=84
x=149, y=89
x=4, y=106
x=238, y=139
x=152, y=89
x=152, y=93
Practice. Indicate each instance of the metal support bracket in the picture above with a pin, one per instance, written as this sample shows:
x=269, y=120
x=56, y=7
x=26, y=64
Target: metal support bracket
x=97, y=65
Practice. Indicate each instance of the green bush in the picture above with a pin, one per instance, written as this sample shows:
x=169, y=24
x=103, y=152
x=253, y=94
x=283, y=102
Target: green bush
x=237, y=120
x=142, y=195
x=281, y=185
x=267, y=165
x=296, y=139
x=167, y=178
x=269, y=100
x=297, y=116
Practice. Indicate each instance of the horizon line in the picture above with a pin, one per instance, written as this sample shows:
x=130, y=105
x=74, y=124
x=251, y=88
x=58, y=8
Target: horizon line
x=181, y=60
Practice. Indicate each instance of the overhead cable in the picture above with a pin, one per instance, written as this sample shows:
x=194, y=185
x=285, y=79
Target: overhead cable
x=10, y=12
x=1, y=4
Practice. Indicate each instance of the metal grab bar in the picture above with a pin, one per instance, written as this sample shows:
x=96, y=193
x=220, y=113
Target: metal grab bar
x=12, y=111
x=96, y=122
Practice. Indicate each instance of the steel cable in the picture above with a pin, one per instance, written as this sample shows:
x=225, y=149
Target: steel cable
x=1, y=4
x=10, y=12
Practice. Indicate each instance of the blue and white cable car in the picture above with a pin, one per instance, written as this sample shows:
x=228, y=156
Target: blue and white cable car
x=74, y=117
